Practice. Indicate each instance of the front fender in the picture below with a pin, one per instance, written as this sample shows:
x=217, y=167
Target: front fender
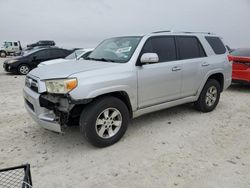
x=94, y=86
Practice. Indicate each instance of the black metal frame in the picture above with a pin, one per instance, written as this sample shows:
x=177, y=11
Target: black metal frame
x=27, y=181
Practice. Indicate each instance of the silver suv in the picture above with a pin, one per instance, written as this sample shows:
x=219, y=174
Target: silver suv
x=126, y=77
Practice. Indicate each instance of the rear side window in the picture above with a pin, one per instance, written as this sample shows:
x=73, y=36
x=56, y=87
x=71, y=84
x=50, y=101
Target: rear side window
x=216, y=44
x=43, y=54
x=58, y=53
x=164, y=47
x=189, y=47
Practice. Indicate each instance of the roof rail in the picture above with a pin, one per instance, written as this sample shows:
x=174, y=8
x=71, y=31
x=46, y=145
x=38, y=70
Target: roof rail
x=188, y=32
x=209, y=33
x=166, y=31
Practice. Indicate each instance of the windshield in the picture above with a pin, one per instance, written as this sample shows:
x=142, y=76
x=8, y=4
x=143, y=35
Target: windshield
x=75, y=54
x=29, y=52
x=118, y=50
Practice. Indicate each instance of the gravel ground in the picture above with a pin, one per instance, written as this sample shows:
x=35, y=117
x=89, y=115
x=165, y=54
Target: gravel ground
x=177, y=147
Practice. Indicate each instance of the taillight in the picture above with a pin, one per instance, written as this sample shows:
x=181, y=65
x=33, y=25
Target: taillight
x=230, y=58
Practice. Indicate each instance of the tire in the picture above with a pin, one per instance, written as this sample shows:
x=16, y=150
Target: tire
x=209, y=96
x=99, y=130
x=3, y=54
x=23, y=69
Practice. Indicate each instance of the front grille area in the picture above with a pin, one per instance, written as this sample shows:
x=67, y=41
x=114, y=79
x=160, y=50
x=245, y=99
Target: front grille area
x=31, y=83
x=30, y=105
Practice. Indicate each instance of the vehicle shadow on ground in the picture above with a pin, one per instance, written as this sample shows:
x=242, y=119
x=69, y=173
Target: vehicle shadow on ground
x=240, y=88
x=10, y=74
x=73, y=137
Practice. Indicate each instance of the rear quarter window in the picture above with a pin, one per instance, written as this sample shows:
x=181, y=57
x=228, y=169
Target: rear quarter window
x=216, y=44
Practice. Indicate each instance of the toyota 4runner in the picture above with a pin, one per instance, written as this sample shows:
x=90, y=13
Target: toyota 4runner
x=126, y=77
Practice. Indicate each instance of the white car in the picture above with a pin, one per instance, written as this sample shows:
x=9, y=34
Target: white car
x=126, y=77
x=76, y=55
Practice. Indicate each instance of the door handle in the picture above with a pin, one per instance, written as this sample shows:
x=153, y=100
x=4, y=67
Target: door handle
x=176, y=68
x=205, y=64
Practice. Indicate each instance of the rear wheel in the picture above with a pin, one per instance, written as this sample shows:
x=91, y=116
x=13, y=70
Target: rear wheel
x=104, y=121
x=209, y=97
x=23, y=69
x=3, y=54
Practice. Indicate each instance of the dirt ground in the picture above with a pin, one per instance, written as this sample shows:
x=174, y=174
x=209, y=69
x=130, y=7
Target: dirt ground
x=177, y=147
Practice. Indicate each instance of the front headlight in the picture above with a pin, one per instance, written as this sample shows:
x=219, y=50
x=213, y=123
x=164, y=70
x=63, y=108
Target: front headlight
x=61, y=86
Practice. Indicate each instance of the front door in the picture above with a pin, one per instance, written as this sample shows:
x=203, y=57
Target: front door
x=159, y=82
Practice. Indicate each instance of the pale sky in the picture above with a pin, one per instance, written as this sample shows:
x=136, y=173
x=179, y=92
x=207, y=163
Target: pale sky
x=82, y=23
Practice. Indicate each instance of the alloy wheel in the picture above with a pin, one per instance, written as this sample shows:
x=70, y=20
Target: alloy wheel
x=211, y=96
x=108, y=123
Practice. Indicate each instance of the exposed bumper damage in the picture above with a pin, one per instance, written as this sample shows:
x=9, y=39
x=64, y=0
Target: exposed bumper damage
x=50, y=111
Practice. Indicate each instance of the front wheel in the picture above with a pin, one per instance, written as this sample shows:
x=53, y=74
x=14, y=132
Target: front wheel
x=23, y=69
x=209, y=97
x=104, y=121
x=3, y=54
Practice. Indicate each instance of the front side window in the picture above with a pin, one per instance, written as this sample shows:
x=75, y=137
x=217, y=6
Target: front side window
x=7, y=44
x=164, y=47
x=118, y=50
x=189, y=47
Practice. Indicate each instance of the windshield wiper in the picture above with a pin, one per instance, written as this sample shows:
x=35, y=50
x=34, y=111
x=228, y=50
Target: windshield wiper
x=100, y=59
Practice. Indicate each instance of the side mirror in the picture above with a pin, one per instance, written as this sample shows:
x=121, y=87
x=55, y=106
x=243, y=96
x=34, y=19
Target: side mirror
x=149, y=58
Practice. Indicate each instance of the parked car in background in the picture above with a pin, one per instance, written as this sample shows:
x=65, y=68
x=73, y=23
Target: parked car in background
x=126, y=77
x=10, y=48
x=23, y=64
x=241, y=65
x=76, y=55
x=41, y=43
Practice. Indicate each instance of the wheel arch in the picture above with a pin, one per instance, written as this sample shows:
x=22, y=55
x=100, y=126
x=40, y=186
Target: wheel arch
x=122, y=95
x=219, y=77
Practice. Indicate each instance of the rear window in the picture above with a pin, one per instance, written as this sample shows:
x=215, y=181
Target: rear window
x=216, y=44
x=190, y=47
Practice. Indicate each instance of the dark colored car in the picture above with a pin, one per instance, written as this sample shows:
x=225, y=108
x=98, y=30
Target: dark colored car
x=42, y=43
x=241, y=65
x=23, y=64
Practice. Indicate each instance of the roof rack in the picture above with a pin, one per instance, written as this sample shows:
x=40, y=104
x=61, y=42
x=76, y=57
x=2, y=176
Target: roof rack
x=188, y=32
x=167, y=31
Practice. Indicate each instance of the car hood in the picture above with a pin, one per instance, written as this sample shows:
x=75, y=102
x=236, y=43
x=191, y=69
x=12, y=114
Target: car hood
x=16, y=58
x=65, y=69
x=54, y=61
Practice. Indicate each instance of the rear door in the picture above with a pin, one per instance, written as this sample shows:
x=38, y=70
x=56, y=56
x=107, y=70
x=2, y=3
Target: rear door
x=193, y=58
x=159, y=82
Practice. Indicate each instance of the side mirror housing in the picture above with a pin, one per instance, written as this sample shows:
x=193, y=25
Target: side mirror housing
x=148, y=58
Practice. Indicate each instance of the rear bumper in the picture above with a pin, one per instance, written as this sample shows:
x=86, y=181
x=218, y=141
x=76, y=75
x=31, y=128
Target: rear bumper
x=227, y=83
x=44, y=117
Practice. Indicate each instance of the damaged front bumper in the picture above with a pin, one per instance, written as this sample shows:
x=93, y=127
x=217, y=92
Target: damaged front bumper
x=43, y=116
